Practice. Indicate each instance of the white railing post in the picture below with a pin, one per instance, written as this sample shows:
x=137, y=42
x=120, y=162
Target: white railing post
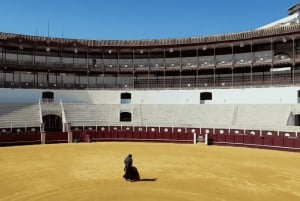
x=206, y=138
x=41, y=114
x=195, y=137
x=63, y=117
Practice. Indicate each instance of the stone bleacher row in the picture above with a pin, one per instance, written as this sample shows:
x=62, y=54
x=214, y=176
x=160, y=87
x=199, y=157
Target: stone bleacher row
x=15, y=115
x=201, y=115
x=19, y=115
x=263, y=125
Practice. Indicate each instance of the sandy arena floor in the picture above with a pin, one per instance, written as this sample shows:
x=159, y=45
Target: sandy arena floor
x=64, y=172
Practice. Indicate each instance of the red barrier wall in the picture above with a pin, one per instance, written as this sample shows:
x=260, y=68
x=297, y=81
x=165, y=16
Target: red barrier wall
x=265, y=139
x=56, y=137
x=252, y=132
x=158, y=134
x=190, y=133
x=239, y=139
x=220, y=137
x=230, y=138
x=297, y=143
x=164, y=133
x=7, y=139
x=288, y=142
x=268, y=140
x=249, y=139
x=144, y=135
x=256, y=138
x=153, y=133
x=119, y=134
x=278, y=141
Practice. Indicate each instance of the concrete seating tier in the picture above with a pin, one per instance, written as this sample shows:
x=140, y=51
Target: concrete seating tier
x=13, y=115
x=190, y=115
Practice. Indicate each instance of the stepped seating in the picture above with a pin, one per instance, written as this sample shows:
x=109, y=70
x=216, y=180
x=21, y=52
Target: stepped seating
x=14, y=115
x=190, y=115
x=182, y=115
x=90, y=114
x=52, y=107
x=149, y=115
x=266, y=115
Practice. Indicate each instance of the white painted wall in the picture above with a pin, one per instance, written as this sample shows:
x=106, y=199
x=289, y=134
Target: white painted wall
x=274, y=95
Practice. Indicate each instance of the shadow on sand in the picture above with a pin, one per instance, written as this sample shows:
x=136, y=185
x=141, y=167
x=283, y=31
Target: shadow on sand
x=148, y=179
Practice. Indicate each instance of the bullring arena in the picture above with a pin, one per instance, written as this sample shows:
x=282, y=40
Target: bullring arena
x=82, y=171
x=206, y=118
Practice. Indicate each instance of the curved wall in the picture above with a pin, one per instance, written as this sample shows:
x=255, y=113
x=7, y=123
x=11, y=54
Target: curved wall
x=278, y=95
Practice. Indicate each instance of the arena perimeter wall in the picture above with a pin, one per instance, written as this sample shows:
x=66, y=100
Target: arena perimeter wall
x=267, y=139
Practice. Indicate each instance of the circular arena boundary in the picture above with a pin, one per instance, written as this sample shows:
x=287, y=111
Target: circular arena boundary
x=267, y=139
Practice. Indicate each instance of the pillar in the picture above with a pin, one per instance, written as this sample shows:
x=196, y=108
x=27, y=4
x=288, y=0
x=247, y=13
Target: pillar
x=43, y=138
x=70, y=136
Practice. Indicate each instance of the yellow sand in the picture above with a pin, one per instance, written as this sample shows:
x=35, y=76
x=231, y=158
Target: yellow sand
x=63, y=172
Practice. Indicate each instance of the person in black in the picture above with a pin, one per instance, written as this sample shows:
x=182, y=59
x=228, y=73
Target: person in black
x=128, y=161
x=128, y=164
x=131, y=173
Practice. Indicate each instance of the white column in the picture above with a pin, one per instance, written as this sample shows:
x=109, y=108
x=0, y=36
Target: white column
x=70, y=137
x=43, y=138
x=206, y=138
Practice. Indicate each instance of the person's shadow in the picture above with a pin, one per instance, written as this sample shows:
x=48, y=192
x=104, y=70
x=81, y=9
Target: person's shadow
x=148, y=179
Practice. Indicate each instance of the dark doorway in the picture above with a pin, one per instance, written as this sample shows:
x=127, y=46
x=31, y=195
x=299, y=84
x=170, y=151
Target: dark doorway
x=48, y=96
x=52, y=123
x=126, y=98
x=297, y=120
x=205, y=96
x=125, y=116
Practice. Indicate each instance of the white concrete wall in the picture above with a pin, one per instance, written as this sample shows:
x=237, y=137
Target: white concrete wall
x=278, y=95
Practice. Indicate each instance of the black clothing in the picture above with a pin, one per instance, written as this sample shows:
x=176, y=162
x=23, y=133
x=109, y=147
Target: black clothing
x=128, y=161
x=131, y=172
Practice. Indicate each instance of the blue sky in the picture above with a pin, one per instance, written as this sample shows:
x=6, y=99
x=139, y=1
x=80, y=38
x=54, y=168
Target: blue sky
x=137, y=19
